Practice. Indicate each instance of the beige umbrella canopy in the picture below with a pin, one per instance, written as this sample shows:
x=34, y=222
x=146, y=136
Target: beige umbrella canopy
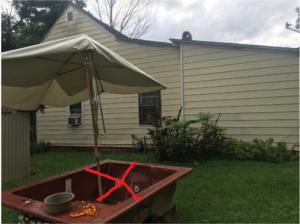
x=54, y=73
x=68, y=71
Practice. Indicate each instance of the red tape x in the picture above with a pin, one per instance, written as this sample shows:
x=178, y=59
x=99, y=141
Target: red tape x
x=121, y=182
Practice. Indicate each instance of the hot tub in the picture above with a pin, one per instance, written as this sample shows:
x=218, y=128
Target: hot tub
x=156, y=184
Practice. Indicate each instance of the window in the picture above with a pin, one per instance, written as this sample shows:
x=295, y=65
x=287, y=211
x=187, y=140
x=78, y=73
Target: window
x=75, y=109
x=148, y=102
x=69, y=16
x=75, y=115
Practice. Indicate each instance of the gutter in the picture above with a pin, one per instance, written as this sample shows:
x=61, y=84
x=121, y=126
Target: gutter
x=146, y=42
x=181, y=64
x=177, y=42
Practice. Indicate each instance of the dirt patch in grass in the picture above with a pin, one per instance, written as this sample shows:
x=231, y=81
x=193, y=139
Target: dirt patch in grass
x=173, y=217
x=32, y=173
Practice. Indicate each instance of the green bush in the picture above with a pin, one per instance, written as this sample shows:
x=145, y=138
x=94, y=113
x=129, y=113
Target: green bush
x=209, y=136
x=159, y=135
x=180, y=144
x=258, y=151
x=39, y=147
x=177, y=141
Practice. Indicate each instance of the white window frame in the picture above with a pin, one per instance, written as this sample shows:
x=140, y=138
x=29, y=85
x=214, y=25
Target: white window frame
x=68, y=115
x=71, y=11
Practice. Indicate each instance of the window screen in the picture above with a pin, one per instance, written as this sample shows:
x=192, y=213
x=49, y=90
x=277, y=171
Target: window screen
x=70, y=16
x=148, y=102
x=76, y=109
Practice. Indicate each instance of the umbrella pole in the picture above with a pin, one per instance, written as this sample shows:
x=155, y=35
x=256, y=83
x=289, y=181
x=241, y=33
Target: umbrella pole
x=92, y=91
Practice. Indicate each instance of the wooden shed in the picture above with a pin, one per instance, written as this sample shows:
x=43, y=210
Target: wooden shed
x=15, y=145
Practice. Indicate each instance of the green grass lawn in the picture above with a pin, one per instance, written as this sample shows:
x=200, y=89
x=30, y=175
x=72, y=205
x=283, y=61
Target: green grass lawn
x=216, y=191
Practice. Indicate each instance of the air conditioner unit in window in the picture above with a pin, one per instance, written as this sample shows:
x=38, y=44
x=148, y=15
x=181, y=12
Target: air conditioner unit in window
x=74, y=121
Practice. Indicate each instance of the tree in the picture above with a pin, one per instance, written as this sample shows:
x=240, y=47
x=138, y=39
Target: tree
x=37, y=17
x=134, y=18
x=8, y=40
x=297, y=21
x=29, y=21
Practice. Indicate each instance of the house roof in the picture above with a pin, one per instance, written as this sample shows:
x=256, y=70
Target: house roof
x=114, y=32
x=234, y=45
x=119, y=36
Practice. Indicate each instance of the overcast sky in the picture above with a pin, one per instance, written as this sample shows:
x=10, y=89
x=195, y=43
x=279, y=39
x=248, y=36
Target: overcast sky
x=259, y=22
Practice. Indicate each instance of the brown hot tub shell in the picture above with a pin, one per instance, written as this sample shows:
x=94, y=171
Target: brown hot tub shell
x=156, y=185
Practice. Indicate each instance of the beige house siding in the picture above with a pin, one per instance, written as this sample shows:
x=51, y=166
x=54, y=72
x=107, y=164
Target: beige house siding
x=257, y=91
x=15, y=146
x=162, y=62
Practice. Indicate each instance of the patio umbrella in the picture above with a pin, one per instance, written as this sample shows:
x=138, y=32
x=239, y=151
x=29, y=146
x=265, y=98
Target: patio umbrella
x=68, y=71
x=53, y=74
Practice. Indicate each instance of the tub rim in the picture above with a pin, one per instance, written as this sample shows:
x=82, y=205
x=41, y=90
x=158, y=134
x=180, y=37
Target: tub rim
x=15, y=202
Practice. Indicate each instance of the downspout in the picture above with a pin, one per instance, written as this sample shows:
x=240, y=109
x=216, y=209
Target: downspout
x=181, y=60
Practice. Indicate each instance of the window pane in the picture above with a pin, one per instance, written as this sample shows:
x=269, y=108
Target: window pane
x=75, y=109
x=150, y=101
x=70, y=16
x=145, y=112
x=155, y=93
x=144, y=118
x=148, y=110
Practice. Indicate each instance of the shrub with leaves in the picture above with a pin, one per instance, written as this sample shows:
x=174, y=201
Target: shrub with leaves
x=177, y=141
x=159, y=135
x=258, y=151
x=180, y=143
x=209, y=137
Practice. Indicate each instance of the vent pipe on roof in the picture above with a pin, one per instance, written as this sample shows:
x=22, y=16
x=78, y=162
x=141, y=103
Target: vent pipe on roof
x=187, y=36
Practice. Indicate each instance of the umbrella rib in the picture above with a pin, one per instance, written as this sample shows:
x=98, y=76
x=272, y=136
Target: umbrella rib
x=70, y=70
x=58, y=60
x=65, y=64
x=99, y=79
x=109, y=66
x=77, y=63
